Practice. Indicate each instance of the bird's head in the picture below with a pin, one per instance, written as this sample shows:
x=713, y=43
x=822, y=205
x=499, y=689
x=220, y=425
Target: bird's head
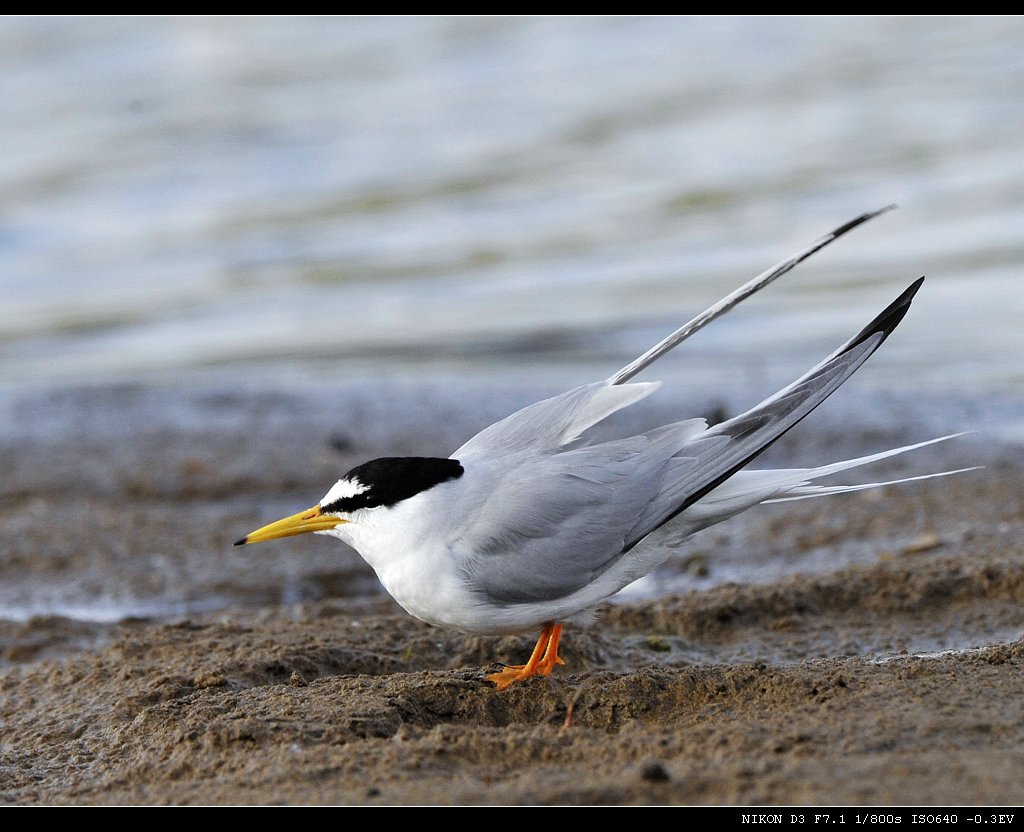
x=381, y=483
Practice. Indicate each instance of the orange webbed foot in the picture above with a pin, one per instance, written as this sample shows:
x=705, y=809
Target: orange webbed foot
x=542, y=661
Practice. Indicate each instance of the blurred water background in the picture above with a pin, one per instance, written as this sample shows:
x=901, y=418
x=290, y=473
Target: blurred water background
x=239, y=255
x=308, y=199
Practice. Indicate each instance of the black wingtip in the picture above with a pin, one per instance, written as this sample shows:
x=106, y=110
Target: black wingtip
x=241, y=542
x=889, y=318
x=863, y=218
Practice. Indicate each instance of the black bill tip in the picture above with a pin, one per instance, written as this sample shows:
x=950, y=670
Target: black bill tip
x=242, y=542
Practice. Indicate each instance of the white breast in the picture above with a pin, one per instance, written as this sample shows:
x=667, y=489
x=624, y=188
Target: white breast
x=408, y=547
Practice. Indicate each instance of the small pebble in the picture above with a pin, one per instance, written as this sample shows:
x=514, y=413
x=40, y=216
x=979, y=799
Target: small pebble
x=655, y=772
x=923, y=543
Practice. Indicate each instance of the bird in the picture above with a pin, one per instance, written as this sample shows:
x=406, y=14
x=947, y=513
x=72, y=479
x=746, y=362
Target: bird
x=535, y=521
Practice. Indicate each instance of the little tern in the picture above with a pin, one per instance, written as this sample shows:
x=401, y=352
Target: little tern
x=532, y=522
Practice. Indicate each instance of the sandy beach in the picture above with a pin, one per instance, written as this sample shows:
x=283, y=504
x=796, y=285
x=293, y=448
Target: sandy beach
x=894, y=676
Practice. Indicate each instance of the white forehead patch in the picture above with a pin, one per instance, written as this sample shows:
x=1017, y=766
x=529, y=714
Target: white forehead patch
x=343, y=489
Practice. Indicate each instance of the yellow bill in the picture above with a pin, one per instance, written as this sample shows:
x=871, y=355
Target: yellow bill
x=310, y=520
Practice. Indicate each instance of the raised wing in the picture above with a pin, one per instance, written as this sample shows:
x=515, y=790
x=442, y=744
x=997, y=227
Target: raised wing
x=672, y=341
x=730, y=446
x=559, y=421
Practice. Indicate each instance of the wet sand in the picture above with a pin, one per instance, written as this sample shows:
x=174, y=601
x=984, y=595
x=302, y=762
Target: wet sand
x=893, y=675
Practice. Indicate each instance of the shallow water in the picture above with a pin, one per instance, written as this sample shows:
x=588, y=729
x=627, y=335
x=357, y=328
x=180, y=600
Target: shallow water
x=501, y=198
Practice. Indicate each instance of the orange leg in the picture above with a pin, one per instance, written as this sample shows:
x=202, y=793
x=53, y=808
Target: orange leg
x=542, y=660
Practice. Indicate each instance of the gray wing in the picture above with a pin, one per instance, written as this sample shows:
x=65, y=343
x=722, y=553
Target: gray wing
x=551, y=523
x=555, y=520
